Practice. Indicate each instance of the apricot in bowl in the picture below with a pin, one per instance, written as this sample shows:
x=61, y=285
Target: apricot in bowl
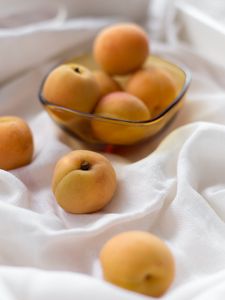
x=120, y=49
x=80, y=123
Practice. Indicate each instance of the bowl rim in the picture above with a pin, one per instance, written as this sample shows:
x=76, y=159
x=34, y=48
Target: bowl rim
x=183, y=68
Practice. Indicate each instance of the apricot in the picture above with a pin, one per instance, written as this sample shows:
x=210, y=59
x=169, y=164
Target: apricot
x=83, y=182
x=121, y=49
x=106, y=83
x=16, y=143
x=72, y=86
x=120, y=106
x=138, y=261
x=154, y=86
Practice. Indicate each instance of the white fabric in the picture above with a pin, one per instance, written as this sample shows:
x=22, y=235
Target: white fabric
x=172, y=185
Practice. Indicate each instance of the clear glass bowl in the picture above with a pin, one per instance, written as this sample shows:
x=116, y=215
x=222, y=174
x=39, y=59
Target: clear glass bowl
x=122, y=132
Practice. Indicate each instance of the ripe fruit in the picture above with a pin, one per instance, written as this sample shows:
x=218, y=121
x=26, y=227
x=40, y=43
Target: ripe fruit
x=120, y=106
x=83, y=181
x=72, y=86
x=154, y=86
x=122, y=48
x=106, y=83
x=138, y=261
x=16, y=143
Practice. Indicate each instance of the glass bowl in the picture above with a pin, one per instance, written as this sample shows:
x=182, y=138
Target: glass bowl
x=119, y=132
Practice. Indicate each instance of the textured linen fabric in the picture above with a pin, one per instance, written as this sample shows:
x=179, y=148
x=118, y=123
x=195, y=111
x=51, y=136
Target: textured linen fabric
x=172, y=185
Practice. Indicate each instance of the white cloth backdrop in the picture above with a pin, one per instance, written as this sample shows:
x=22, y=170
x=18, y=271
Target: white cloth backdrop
x=172, y=185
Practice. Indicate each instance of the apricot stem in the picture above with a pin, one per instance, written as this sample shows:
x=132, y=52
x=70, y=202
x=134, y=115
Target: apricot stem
x=85, y=165
x=77, y=70
x=148, y=276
